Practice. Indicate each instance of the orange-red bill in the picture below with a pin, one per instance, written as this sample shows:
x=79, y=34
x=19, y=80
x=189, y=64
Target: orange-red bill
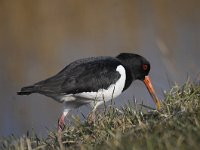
x=150, y=88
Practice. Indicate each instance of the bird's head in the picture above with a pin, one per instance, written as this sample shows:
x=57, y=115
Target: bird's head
x=139, y=68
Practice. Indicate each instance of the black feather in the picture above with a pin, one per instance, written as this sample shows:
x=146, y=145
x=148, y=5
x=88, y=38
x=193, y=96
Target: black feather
x=27, y=90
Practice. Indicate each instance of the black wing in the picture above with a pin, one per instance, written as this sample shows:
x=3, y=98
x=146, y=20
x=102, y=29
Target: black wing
x=83, y=75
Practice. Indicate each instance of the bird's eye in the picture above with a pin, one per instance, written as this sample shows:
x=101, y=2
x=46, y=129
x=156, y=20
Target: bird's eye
x=144, y=67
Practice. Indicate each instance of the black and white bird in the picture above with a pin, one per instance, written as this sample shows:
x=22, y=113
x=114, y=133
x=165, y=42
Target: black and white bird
x=93, y=81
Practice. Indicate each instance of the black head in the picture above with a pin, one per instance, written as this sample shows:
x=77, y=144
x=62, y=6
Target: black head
x=139, y=68
x=137, y=64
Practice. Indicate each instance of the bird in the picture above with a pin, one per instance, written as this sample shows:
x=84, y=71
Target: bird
x=93, y=81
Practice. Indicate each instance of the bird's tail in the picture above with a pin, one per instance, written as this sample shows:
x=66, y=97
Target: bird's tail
x=27, y=90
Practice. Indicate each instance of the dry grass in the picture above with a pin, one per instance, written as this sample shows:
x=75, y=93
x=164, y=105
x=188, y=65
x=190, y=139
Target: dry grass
x=176, y=126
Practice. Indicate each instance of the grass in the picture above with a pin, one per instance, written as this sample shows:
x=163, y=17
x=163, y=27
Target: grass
x=176, y=126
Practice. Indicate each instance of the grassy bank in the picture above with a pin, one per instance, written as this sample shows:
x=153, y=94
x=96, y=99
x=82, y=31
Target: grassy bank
x=176, y=126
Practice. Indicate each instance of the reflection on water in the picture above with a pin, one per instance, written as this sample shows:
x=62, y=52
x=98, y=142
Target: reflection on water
x=39, y=39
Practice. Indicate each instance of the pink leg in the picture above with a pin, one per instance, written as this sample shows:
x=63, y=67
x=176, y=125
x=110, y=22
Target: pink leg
x=61, y=125
x=61, y=122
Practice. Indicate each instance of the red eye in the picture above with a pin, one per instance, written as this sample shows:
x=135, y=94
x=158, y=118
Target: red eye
x=144, y=67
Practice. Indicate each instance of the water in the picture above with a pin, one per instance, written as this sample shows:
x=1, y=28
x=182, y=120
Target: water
x=37, y=43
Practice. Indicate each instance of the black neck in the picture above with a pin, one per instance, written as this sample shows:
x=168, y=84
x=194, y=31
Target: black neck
x=129, y=78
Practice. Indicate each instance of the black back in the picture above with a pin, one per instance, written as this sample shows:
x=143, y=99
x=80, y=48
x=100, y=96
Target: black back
x=84, y=75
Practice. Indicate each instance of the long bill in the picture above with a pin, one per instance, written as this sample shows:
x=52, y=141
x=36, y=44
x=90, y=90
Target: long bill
x=150, y=88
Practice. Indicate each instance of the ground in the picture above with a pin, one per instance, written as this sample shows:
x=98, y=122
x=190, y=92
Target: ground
x=175, y=126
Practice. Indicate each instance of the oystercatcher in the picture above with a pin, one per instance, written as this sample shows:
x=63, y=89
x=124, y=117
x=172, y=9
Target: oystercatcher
x=93, y=81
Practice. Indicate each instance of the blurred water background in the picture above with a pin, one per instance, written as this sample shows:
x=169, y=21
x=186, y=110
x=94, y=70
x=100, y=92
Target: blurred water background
x=39, y=38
